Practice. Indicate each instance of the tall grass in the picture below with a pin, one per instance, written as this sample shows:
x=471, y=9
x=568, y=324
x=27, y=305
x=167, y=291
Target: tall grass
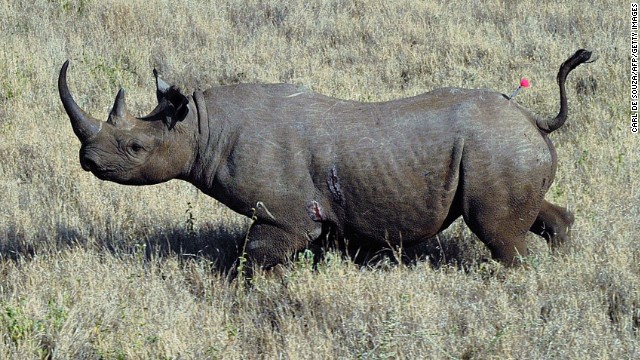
x=91, y=269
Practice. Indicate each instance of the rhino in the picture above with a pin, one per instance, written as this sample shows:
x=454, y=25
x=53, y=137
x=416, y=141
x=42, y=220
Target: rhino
x=307, y=167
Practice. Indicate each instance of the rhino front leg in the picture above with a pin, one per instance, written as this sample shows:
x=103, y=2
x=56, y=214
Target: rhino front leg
x=553, y=223
x=270, y=245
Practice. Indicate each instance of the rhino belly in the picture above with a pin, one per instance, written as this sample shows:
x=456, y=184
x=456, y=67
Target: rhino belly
x=388, y=198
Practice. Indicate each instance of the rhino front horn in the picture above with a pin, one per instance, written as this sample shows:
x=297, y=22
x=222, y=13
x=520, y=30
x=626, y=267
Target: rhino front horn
x=84, y=126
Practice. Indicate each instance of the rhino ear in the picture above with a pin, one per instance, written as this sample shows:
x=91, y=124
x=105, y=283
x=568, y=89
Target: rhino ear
x=172, y=107
x=161, y=86
x=177, y=109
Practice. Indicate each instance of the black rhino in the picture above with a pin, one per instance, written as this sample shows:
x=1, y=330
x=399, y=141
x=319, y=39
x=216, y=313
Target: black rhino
x=311, y=165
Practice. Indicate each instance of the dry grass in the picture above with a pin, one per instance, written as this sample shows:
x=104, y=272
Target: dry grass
x=91, y=269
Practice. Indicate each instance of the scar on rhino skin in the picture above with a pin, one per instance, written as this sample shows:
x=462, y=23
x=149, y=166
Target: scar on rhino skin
x=315, y=211
x=334, y=186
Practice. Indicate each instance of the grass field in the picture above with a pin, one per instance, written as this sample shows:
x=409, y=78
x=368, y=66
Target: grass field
x=91, y=269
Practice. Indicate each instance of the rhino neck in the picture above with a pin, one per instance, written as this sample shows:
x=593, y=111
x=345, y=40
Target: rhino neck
x=213, y=144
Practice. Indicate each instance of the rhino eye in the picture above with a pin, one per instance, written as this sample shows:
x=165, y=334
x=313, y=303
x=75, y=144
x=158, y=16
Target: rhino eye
x=136, y=147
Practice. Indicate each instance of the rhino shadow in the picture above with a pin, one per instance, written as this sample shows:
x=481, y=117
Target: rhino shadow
x=222, y=246
x=444, y=250
x=218, y=244
x=14, y=244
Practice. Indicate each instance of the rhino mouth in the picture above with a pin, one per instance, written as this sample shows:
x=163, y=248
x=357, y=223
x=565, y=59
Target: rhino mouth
x=109, y=175
x=100, y=172
x=112, y=175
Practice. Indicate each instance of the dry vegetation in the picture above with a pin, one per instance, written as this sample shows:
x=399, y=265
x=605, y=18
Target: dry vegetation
x=90, y=269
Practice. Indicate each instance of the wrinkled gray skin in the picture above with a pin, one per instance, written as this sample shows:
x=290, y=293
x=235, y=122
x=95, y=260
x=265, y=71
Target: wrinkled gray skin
x=395, y=172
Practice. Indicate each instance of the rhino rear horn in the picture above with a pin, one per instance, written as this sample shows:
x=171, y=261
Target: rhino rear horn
x=119, y=107
x=84, y=126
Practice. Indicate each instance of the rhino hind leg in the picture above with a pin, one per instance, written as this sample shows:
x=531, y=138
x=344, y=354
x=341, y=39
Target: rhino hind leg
x=502, y=228
x=505, y=240
x=553, y=223
x=508, y=250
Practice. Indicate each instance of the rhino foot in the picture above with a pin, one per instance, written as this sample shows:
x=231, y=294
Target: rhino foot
x=553, y=223
x=270, y=245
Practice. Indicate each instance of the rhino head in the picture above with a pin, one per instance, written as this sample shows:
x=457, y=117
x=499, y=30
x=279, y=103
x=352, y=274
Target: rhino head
x=130, y=150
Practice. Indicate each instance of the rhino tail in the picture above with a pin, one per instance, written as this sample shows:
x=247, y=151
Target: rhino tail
x=581, y=56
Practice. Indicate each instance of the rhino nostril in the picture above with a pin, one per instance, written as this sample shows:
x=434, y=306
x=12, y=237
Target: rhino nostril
x=88, y=164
